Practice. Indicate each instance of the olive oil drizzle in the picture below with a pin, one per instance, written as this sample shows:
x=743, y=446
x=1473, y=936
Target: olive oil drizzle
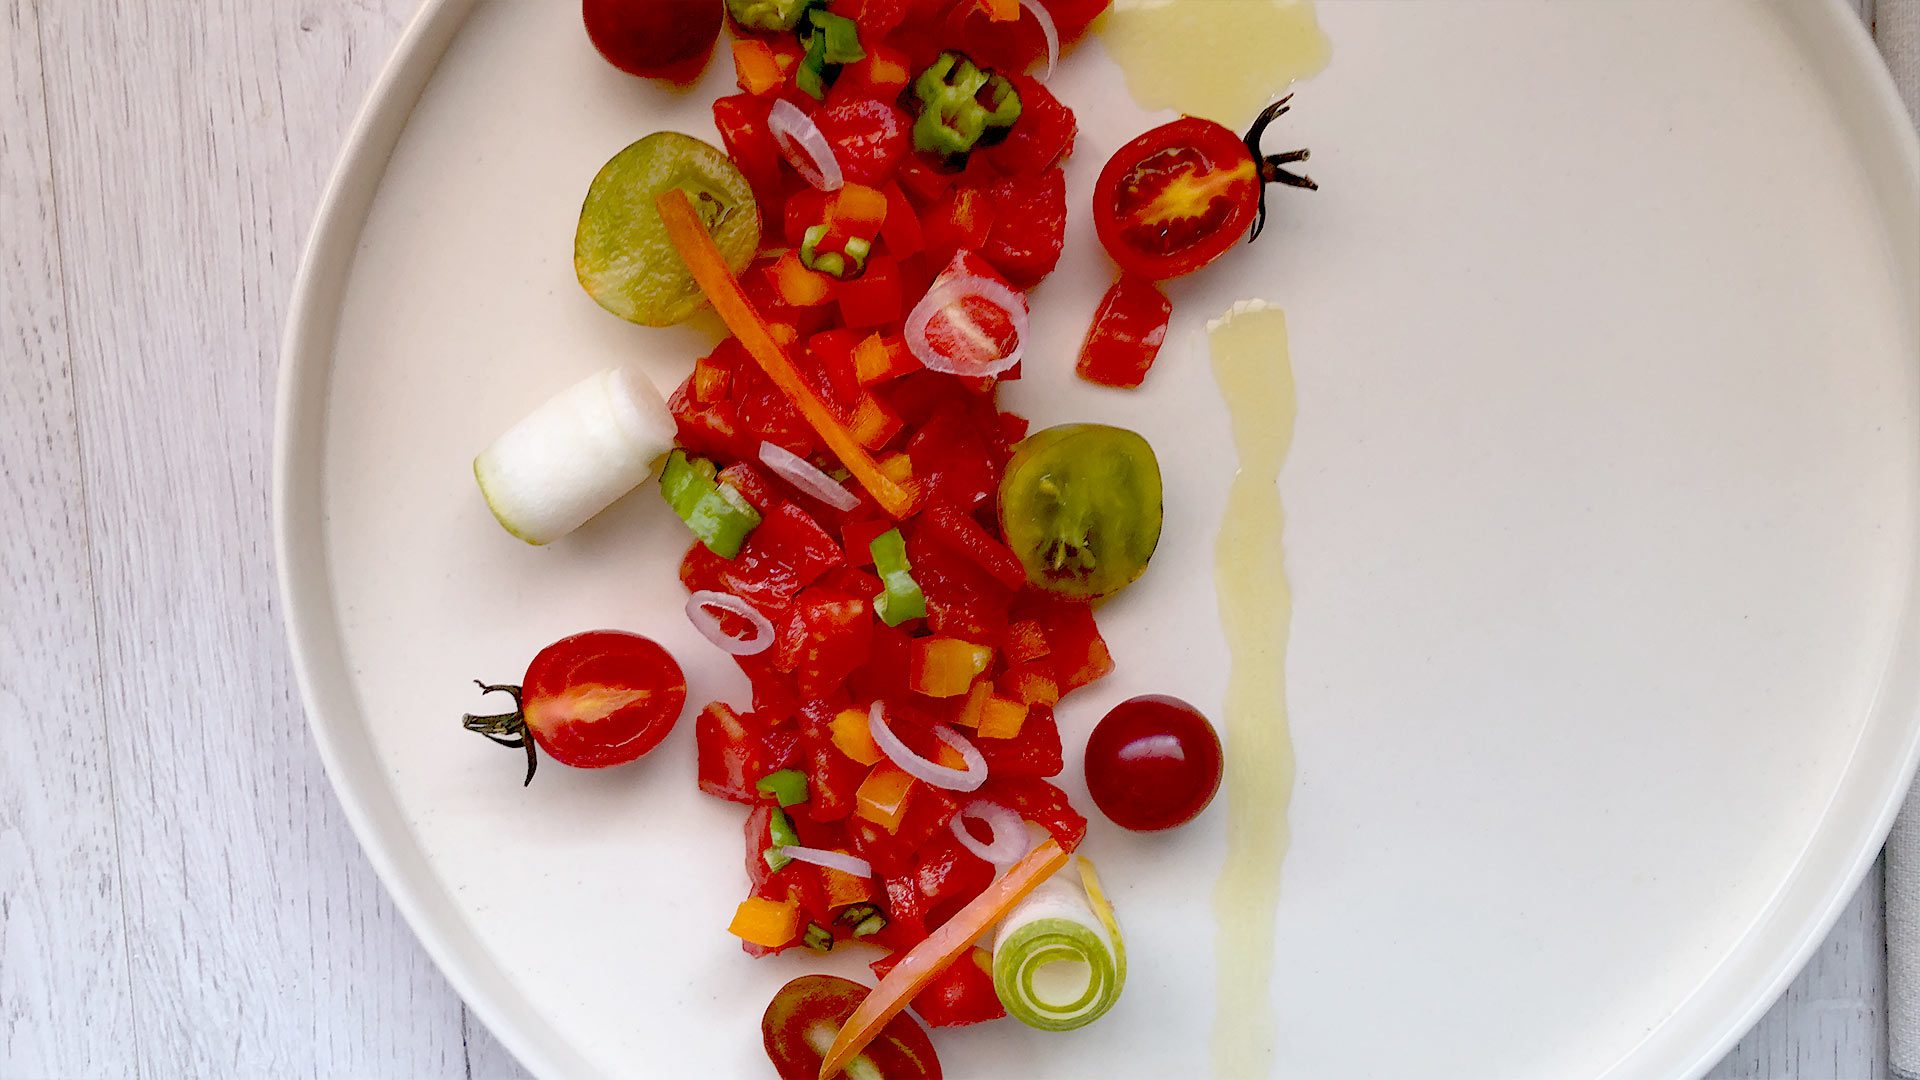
x=1218, y=59
x=1255, y=376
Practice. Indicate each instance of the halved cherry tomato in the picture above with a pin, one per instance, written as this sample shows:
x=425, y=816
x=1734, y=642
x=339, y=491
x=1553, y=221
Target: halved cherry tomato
x=801, y=1022
x=1178, y=197
x=600, y=698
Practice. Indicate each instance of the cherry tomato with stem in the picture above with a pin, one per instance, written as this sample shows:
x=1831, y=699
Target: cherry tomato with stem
x=654, y=39
x=596, y=699
x=1153, y=763
x=1181, y=195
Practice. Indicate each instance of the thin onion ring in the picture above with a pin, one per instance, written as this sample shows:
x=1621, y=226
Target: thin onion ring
x=802, y=474
x=949, y=292
x=709, y=626
x=1047, y=29
x=805, y=146
x=1009, y=832
x=940, y=776
x=832, y=860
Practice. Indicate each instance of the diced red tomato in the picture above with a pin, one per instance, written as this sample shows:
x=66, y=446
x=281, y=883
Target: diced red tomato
x=873, y=299
x=962, y=994
x=1029, y=226
x=1041, y=803
x=901, y=230
x=1128, y=328
x=880, y=357
x=1041, y=138
x=949, y=876
x=877, y=18
x=869, y=137
x=961, y=533
x=826, y=638
x=881, y=75
x=832, y=777
x=741, y=120
x=724, y=748
x=962, y=220
x=922, y=179
x=1035, y=752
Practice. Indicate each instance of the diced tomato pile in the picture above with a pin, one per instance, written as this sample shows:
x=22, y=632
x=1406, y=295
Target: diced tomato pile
x=992, y=656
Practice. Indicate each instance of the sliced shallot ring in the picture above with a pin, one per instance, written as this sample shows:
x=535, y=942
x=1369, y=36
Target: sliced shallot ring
x=805, y=146
x=1009, y=832
x=802, y=474
x=940, y=776
x=832, y=860
x=709, y=625
x=1047, y=29
x=947, y=295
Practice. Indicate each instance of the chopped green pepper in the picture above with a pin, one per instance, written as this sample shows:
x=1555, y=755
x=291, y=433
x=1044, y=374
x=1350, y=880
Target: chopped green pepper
x=718, y=516
x=864, y=918
x=831, y=40
x=818, y=938
x=959, y=102
x=902, y=598
x=768, y=14
x=834, y=263
x=786, y=787
x=781, y=836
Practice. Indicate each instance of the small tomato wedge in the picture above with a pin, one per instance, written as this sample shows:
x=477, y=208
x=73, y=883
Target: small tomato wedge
x=805, y=1017
x=1128, y=328
x=1179, y=196
x=596, y=699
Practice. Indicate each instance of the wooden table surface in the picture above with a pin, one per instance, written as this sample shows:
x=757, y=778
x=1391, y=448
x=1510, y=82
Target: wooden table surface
x=179, y=892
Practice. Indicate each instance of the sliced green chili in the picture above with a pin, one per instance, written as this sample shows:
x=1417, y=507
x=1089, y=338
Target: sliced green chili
x=831, y=40
x=846, y=264
x=818, y=938
x=901, y=598
x=959, y=102
x=781, y=836
x=714, y=512
x=768, y=15
x=787, y=787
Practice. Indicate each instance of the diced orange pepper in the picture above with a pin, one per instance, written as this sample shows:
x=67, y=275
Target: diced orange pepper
x=945, y=667
x=883, y=796
x=874, y=424
x=854, y=210
x=897, y=468
x=797, y=285
x=969, y=715
x=756, y=68
x=854, y=738
x=1002, y=719
x=881, y=357
x=844, y=888
x=1026, y=640
x=1031, y=683
x=1001, y=10
x=766, y=923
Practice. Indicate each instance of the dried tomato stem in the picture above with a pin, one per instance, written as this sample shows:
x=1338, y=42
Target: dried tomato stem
x=1272, y=166
x=507, y=729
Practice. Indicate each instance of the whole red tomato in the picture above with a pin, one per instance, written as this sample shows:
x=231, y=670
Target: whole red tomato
x=592, y=700
x=655, y=39
x=1153, y=763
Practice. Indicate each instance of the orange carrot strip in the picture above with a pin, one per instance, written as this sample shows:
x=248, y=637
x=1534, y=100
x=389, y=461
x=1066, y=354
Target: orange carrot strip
x=709, y=269
x=941, y=948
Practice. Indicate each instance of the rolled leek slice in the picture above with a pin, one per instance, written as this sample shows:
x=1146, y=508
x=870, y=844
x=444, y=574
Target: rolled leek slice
x=572, y=457
x=1058, y=960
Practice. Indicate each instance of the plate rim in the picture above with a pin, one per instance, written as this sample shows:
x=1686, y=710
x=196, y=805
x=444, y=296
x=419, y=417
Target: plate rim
x=1687, y=1042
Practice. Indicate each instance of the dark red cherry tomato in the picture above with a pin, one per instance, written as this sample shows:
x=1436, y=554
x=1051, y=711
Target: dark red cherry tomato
x=808, y=1012
x=1178, y=197
x=1153, y=763
x=592, y=700
x=655, y=39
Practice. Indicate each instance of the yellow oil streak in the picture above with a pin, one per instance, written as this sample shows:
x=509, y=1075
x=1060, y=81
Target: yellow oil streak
x=1220, y=59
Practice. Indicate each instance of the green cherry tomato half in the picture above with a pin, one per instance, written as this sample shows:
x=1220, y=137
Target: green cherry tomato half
x=800, y=1025
x=621, y=251
x=1080, y=505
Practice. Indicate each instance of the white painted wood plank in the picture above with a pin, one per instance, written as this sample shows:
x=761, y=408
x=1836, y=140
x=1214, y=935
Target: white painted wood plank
x=191, y=140
x=1831, y=1024
x=65, y=999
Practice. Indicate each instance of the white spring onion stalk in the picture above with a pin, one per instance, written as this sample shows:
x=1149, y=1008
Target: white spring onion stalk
x=832, y=860
x=1009, y=832
x=1058, y=961
x=949, y=297
x=805, y=146
x=1049, y=30
x=572, y=457
x=803, y=475
x=700, y=611
x=940, y=776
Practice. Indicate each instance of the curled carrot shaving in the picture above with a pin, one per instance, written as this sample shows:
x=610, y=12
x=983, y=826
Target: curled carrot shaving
x=709, y=269
x=932, y=956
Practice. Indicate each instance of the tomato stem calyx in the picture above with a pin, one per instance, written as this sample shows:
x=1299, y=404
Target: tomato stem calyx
x=507, y=729
x=1273, y=167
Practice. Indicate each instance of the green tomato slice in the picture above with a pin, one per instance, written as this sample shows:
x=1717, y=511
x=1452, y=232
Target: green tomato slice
x=621, y=251
x=1080, y=505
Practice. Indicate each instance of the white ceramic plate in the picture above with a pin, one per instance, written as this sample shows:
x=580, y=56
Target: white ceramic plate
x=1602, y=529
